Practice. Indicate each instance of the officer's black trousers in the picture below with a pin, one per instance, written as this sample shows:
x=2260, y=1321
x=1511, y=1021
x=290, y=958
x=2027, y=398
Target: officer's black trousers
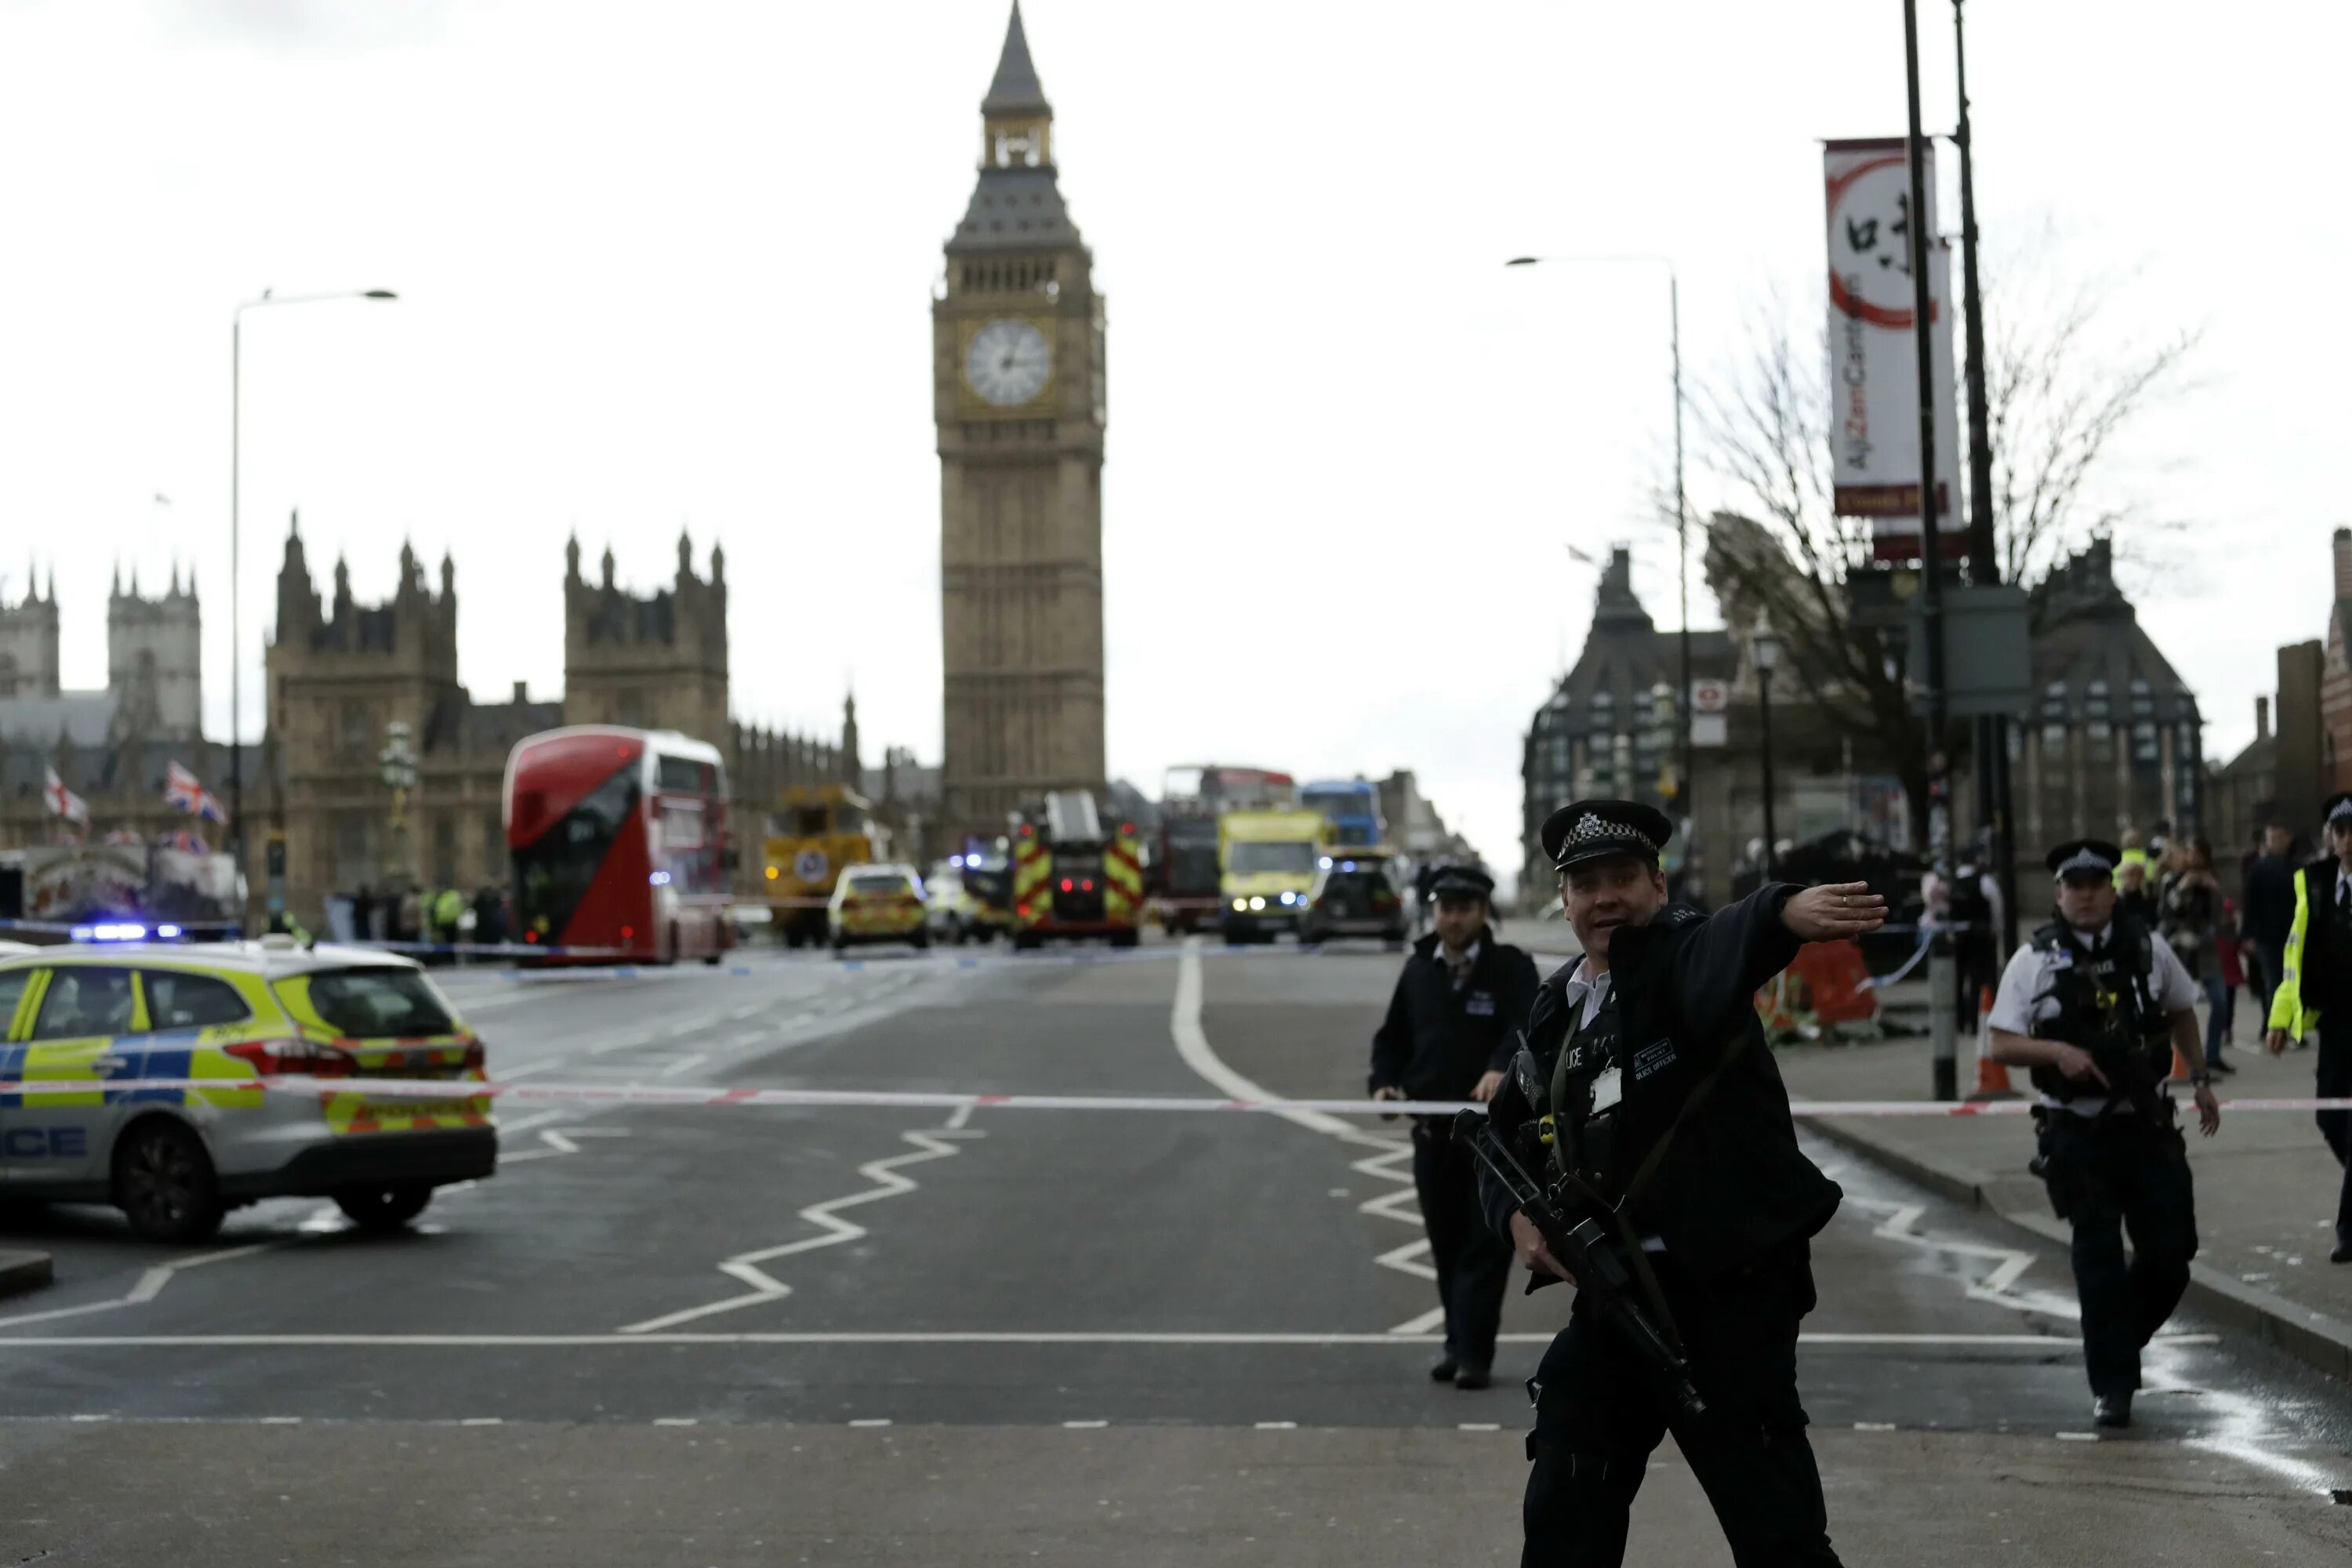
x=2335, y=1126
x=1600, y=1412
x=2121, y=1174
x=1473, y=1263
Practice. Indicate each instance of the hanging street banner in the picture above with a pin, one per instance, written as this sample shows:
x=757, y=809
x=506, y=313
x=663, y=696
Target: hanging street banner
x=1874, y=367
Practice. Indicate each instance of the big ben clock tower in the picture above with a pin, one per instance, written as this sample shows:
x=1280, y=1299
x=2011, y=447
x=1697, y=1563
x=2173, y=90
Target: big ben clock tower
x=1017, y=375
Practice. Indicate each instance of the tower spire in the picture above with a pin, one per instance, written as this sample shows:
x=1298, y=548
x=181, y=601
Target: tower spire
x=1015, y=90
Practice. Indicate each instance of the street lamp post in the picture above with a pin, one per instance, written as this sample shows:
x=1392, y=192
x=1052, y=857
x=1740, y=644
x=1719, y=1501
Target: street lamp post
x=235, y=466
x=1764, y=653
x=1681, y=512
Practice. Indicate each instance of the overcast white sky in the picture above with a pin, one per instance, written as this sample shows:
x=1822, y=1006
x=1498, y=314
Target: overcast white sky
x=666, y=265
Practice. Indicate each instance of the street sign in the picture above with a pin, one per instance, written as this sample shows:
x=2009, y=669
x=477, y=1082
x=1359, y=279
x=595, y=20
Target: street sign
x=1987, y=653
x=1710, y=730
x=1710, y=696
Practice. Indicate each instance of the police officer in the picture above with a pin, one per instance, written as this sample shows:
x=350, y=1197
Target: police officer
x=1452, y=1026
x=2096, y=1006
x=2315, y=994
x=1654, y=1070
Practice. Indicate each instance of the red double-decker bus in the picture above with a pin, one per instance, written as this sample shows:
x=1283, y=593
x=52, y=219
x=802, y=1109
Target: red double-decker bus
x=620, y=845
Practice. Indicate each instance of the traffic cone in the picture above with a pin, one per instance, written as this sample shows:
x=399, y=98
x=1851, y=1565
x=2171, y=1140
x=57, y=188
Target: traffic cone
x=1992, y=1077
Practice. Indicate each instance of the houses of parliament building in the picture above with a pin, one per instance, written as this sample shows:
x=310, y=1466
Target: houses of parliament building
x=339, y=673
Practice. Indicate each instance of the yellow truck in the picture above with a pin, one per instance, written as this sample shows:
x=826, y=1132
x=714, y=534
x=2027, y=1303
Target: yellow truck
x=1266, y=862
x=816, y=830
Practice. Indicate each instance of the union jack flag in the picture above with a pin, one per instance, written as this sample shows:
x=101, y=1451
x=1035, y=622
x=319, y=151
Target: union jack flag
x=63, y=802
x=185, y=790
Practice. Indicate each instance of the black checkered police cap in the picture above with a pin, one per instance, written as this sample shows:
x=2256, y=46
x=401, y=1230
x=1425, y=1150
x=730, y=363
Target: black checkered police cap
x=2339, y=809
x=1588, y=830
x=1461, y=882
x=2080, y=856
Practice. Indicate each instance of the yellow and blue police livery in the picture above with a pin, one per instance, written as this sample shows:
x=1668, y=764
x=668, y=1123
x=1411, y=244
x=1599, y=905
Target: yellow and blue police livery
x=176, y=1156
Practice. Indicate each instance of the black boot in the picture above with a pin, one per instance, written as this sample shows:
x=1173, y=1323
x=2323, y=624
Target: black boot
x=2111, y=1410
x=1444, y=1370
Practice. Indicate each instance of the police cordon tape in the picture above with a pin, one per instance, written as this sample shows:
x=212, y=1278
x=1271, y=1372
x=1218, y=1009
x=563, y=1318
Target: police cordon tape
x=929, y=1099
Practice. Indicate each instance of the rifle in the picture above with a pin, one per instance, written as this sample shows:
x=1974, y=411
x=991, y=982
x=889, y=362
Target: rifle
x=1603, y=1274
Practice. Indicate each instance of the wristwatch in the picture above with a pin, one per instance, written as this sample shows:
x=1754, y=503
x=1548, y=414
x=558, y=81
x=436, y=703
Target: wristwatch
x=2200, y=1079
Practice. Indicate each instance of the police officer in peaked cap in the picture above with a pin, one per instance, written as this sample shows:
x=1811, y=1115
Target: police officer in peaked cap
x=2096, y=1007
x=1451, y=1026
x=1657, y=1088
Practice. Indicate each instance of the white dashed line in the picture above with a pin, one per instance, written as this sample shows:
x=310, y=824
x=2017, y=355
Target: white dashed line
x=90, y=1418
x=281, y=1421
x=1873, y=1426
x=482, y=1421
x=2078, y=1436
x=872, y=1421
x=674, y=1420
x=1277, y=1426
x=685, y=1064
x=1084, y=1426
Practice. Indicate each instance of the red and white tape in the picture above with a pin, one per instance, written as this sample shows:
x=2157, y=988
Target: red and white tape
x=681, y=1094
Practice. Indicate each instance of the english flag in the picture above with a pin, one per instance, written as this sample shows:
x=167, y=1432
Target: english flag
x=63, y=802
x=184, y=790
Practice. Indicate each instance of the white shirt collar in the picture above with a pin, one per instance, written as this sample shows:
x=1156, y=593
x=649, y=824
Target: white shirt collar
x=1469, y=955
x=2342, y=877
x=1588, y=988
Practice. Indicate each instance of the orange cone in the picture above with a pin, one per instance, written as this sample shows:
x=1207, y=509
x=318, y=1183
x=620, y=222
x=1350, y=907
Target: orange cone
x=1992, y=1077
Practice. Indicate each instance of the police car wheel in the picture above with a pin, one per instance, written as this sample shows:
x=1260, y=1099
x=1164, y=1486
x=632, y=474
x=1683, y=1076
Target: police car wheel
x=385, y=1207
x=164, y=1181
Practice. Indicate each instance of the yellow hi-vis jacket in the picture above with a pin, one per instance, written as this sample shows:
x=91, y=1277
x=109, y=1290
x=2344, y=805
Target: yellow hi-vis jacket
x=2289, y=1011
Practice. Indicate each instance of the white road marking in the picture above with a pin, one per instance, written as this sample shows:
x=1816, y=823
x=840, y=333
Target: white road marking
x=685, y=1064
x=674, y=1420
x=1998, y=1287
x=542, y=1064
x=1873, y=1426
x=2243, y=1431
x=2077, y=1436
x=559, y=1141
x=872, y=1421
x=1277, y=1426
x=482, y=1421
x=961, y=1118
x=149, y=1284
x=1481, y=1425
x=2042, y=1343
x=746, y=1266
x=281, y=1420
x=1193, y=1046
x=1084, y=1426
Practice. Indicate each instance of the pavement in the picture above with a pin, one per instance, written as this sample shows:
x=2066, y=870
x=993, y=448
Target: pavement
x=2266, y=1185
x=876, y=1335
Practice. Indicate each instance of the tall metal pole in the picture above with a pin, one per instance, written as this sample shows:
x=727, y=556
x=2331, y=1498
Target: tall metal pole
x=1994, y=805
x=236, y=582
x=1764, y=713
x=1682, y=561
x=1941, y=1023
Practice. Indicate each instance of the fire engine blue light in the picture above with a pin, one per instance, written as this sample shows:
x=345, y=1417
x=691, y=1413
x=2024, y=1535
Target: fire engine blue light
x=168, y=933
x=659, y=878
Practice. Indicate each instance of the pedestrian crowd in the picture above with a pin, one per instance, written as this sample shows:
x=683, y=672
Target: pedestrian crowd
x=429, y=916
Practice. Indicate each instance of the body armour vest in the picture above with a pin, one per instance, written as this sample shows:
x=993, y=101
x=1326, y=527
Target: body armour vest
x=2099, y=990
x=1587, y=1091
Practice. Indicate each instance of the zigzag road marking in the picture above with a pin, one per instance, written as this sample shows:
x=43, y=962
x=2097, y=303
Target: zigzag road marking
x=149, y=1284
x=747, y=1266
x=1400, y=1205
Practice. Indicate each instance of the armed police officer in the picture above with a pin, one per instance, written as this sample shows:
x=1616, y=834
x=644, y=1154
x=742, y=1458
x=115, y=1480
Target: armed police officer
x=2096, y=1007
x=1451, y=1026
x=2314, y=993
x=1651, y=1096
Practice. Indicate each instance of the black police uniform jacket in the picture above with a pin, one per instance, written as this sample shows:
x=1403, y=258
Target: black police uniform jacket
x=1733, y=1186
x=1437, y=1041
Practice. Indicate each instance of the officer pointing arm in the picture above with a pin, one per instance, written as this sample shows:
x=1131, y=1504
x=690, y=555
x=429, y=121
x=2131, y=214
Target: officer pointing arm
x=1663, y=1119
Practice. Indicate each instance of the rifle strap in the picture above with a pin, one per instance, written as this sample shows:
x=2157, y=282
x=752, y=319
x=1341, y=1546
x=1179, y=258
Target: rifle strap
x=1699, y=1091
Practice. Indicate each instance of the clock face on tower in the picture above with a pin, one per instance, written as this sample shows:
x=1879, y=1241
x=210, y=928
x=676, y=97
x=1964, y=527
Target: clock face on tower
x=1007, y=363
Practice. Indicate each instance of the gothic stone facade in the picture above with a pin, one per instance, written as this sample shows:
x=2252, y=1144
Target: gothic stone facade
x=340, y=672
x=1018, y=382
x=112, y=747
